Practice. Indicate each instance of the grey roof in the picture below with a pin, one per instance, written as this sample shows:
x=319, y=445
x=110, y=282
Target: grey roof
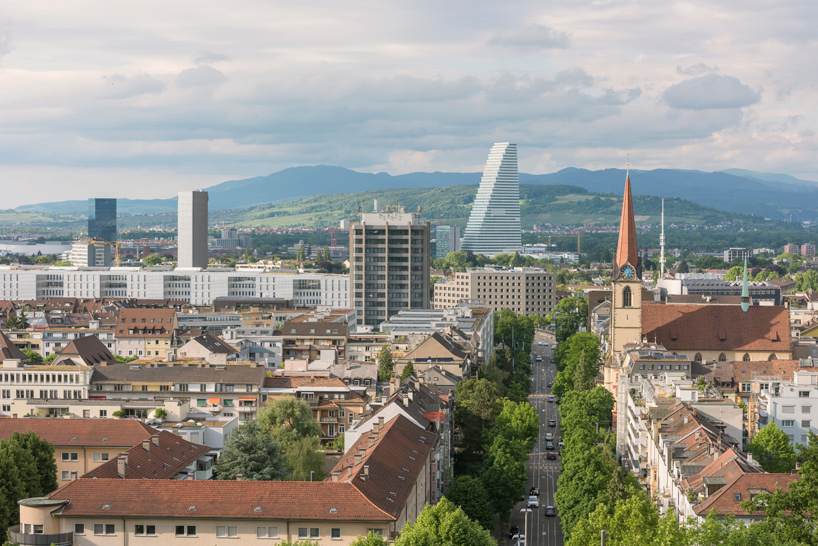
x=214, y=344
x=317, y=329
x=179, y=373
x=90, y=349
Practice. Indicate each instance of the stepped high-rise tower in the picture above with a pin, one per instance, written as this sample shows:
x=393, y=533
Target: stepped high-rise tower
x=494, y=223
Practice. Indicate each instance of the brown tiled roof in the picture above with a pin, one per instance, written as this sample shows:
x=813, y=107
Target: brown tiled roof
x=716, y=327
x=160, y=462
x=729, y=465
x=261, y=500
x=90, y=349
x=145, y=322
x=703, y=300
x=122, y=433
x=746, y=371
x=725, y=502
x=9, y=350
x=455, y=350
x=303, y=381
x=179, y=373
x=393, y=463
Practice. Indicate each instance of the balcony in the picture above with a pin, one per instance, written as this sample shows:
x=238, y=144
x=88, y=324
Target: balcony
x=60, y=539
x=329, y=420
x=250, y=409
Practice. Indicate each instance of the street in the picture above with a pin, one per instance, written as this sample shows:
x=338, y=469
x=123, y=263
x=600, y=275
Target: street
x=542, y=473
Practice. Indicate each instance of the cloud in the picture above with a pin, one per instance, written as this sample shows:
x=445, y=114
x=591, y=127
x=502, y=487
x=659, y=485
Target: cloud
x=201, y=76
x=209, y=57
x=5, y=43
x=531, y=38
x=120, y=86
x=696, y=69
x=711, y=91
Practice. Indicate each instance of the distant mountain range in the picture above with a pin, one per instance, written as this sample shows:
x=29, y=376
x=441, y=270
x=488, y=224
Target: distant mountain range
x=775, y=196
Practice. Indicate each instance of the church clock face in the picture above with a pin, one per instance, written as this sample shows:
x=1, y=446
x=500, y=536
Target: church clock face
x=627, y=273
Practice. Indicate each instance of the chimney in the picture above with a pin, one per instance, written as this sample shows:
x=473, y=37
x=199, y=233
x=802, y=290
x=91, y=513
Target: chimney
x=121, y=463
x=373, y=437
x=349, y=471
x=125, y=455
x=155, y=440
x=191, y=476
x=405, y=398
x=146, y=444
x=239, y=477
x=312, y=475
x=380, y=422
x=366, y=470
x=357, y=459
x=335, y=476
x=411, y=395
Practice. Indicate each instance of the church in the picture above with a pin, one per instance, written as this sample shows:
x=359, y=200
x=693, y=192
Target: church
x=701, y=332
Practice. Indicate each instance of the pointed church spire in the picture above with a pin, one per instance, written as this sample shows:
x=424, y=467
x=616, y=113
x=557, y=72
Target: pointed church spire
x=626, y=251
x=745, y=291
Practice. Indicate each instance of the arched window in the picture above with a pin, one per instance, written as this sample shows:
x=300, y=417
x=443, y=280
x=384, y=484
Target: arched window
x=772, y=357
x=627, y=297
x=722, y=357
x=746, y=357
x=698, y=357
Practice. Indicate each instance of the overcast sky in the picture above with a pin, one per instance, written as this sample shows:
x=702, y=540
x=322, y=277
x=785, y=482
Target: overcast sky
x=142, y=99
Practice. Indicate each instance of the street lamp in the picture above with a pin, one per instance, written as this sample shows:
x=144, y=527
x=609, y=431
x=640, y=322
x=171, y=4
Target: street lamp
x=525, y=524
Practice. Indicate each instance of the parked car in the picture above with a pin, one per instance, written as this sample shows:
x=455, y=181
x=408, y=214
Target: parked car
x=550, y=511
x=551, y=456
x=533, y=502
x=552, y=422
x=514, y=532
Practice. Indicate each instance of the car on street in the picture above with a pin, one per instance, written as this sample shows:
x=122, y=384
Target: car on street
x=541, y=343
x=514, y=532
x=533, y=502
x=549, y=436
x=549, y=446
x=561, y=444
x=539, y=359
x=550, y=511
x=549, y=384
x=520, y=541
x=535, y=491
x=552, y=422
x=551, y=456
x=551, y=398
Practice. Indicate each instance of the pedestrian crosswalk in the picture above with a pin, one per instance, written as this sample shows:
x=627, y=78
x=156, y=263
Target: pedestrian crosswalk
x=551, y=466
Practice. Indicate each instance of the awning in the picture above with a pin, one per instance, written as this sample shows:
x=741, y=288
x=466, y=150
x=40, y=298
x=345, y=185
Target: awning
x=253, y=399
x=213, y=400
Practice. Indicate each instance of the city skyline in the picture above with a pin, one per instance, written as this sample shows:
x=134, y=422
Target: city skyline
x=93, y=96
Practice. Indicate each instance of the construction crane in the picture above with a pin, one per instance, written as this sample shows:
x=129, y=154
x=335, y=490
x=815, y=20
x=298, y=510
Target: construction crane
x=117, y=261
x=578, y=235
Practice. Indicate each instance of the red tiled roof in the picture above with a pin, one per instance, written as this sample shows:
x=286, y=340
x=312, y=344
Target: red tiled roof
x=80, y=432
x=145, y=322
x=159, y=462
x=746, y=371
x=716, y=327
x=303, y=381
x=724, y=501
x=217, y=499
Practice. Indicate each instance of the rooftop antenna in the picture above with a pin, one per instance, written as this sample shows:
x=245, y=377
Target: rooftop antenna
x=662, y=244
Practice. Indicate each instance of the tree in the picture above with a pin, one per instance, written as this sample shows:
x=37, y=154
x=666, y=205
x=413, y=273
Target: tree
x=288, y=419
x=33, y=356
x=408, y=370
x=733, y=273
x=12, y=486
x=326, y=255
x=385, y=364
x=469, y=494
x=518, y=422
x=683, y=267
x=371, y=539
x=304, y=457
x=160, y=413
x=456, y=260
x=152, y=260
x=253, y=453
x=444, y=523
x=504, y=475
x=44, y=478
x=338, y=443
x=772, y=449
x=439, y=263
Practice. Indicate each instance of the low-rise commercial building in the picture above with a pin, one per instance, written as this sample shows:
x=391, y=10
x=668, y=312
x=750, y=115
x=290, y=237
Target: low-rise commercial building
x=526, y=291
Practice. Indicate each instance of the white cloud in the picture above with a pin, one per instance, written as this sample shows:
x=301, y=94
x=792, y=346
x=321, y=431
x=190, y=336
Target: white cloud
x=531, y=37
x=711, y=91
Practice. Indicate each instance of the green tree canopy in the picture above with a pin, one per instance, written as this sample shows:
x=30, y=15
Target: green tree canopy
x=33, y=356
x=304, y=457
x=444, y=524
x=518, y=422
x=371, y=539
x=771, y=447
x=408, y=370
x=468, y=493
x=385, y=364
x=152, y=260
x=253, y=453
x=288, y=419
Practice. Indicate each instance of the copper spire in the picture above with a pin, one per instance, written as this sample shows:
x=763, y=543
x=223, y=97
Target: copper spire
x=626, y=251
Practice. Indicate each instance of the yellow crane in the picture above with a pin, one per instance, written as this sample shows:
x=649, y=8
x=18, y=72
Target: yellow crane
x=116, y=249
x=578, y=235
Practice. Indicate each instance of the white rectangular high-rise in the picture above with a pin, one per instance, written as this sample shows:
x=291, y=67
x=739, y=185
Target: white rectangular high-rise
x=192, y=223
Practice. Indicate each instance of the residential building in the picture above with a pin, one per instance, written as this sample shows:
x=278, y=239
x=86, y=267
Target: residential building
x=314, y=340
x=737, y=255
x=390, y=260
x=808, y=250
x=790, y=407
x=446, y=352
x=793, y=249
x=527, y=291
x=365, y=347
x=208, y=430
x=81, y=445
x=334, y=404
x=88, y=254
x=494, y=222
x=229, y=239
x=447, y=240
x=54, y=340
x=194, y=287
x=214, y=323
x=209, y=348
x=147, y=333
x=761, y=292
x=257, y=344
x=192, y=218
x=102, y=219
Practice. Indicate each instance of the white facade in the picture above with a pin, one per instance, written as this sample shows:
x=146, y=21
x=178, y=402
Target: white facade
x=794, y=408
x=494, y=223
x=195, y=287
x=192, y=222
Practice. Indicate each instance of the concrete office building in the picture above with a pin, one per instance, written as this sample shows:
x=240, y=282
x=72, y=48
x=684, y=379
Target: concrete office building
x=494, y=223
x=737, y=254
x=390, y=251
x=102, y=219
x=526, y=291
x=89, y=254
x=448, y=240
x=790, y=406
x=192, y=219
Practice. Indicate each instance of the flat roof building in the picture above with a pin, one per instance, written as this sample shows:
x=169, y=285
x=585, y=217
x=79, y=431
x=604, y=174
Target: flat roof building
x=192, y=218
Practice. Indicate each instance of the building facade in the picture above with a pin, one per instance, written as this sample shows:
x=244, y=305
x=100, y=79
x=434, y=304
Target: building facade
x=390, y=252
x=494, y=223
x=526, y=291
x=102, y=219
x=192, y=218
x=448, y=240
x=790, y=407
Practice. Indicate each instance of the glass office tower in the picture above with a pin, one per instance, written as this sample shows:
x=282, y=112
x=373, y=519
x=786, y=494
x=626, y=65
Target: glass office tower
x=102, y=219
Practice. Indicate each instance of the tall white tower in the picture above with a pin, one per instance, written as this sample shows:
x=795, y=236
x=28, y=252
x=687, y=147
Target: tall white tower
x=662, y=244
x=494, y=223
x=192, y=225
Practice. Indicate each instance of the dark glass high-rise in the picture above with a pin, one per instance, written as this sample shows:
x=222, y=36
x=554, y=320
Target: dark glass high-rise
x=102, y=219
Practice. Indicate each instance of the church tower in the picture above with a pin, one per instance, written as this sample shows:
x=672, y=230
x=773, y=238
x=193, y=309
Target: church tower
x=626, y=302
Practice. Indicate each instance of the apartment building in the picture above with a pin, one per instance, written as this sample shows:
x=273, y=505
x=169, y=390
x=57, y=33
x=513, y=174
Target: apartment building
x=310, y=340
x=212, y=349
x=390, y=252
x=257, y=344
x=146, y=333
x=526, y=291
x=790, y=407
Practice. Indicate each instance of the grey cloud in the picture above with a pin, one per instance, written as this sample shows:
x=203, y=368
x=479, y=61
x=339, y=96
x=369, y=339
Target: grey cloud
x=532, y=38
x=711, y=91
x=207, y=57
x=5, y=43
x=200, y=76
x=696, y=69
x=120, y=86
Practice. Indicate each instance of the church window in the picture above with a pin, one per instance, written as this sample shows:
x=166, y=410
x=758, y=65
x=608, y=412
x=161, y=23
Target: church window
x=698, y=357
x=627, y=297
x=722, y=357
x=746, y=357
x=772, y=357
